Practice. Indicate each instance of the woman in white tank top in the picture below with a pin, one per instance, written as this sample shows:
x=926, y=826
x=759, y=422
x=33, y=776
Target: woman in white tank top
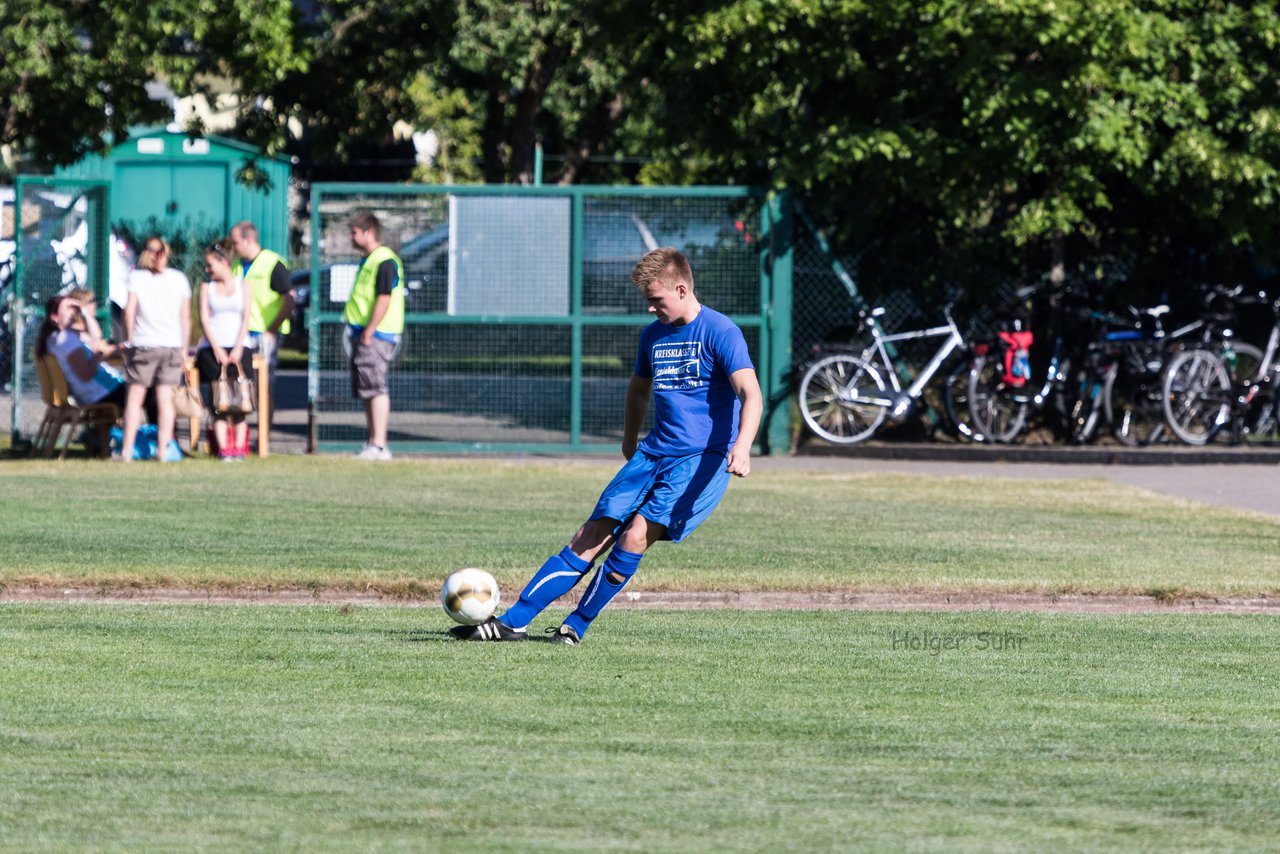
x=224, y=318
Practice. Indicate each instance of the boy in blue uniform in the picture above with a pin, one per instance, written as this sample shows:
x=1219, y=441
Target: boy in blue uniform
x=693, y=362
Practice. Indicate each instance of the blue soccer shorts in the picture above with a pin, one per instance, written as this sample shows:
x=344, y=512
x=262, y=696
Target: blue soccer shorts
x=678, y=492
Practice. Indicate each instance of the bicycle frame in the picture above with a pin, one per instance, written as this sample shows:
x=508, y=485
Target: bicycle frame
x=1269, y=354
x=954, y=340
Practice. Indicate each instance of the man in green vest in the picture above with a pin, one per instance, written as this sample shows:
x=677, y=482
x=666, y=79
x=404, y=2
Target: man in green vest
x=375, y=320
x=267, y=276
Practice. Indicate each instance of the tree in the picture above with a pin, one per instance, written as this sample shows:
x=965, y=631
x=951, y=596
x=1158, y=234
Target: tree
x=75, y=71
x=936, y=133
x=491, y=78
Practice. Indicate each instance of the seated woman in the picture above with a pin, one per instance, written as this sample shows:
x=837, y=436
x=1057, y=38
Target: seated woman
x=81, y=359
x=225, y=301
x=87, y=323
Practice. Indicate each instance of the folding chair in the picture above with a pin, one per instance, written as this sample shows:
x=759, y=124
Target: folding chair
x=55, y=416
x=100, y=415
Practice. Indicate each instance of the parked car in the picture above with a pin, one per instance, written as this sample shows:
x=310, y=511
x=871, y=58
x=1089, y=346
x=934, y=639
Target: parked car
x=613, y=241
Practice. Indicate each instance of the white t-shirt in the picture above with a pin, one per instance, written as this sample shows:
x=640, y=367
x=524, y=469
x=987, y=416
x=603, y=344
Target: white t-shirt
x=225, y=315
x=160, y=296
x=62, y=344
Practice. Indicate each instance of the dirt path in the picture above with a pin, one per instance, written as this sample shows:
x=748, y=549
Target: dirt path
x=1074, y=603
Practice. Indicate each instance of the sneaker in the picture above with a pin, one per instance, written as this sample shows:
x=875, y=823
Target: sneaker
x=563, y=634
x=490, y=630
x=373, y=452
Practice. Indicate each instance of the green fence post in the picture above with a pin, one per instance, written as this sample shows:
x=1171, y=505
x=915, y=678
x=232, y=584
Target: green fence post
x=17, y=318
x=778, y=390
x=316, y=300
x=577, y=229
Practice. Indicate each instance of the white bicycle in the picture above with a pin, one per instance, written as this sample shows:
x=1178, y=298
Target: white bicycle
x=847, y=393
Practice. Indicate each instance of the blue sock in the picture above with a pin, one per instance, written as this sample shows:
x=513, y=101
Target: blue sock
x=556, y=578
x=602, y=589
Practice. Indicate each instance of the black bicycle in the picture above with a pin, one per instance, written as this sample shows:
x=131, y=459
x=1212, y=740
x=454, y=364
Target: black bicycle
x=1226, y=384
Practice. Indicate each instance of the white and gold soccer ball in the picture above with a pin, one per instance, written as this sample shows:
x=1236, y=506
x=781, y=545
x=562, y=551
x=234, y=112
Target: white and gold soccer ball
x=470, y=596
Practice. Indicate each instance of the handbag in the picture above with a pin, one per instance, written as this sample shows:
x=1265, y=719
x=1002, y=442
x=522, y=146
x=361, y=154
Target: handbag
x=187, y=402
x=236, y=397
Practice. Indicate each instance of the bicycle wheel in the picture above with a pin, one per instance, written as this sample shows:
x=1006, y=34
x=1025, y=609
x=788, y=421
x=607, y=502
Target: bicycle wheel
x=1261, y=418
x=833, y=398
x=1087, y=407
x=1134, y=407
x=995, y=413
x=1265, y=425
x=955, y=398
x=1197, y=398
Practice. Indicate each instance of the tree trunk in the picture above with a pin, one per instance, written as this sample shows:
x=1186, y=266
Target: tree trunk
x=9, y=131
x=602, y=118
x=524, y=126
x=491, y=138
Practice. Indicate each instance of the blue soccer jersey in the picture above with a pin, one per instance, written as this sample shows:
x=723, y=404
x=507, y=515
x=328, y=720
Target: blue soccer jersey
x=695, y=408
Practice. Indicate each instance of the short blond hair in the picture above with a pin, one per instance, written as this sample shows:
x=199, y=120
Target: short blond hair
x=665, y=265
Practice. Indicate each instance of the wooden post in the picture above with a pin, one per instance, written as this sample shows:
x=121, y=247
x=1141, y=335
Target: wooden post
x=260, y=369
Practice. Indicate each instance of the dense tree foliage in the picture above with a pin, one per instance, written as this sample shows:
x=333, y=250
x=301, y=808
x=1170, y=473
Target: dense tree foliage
x=490, y=78
x=939, y=131
x=934, y=136
x=74, y=72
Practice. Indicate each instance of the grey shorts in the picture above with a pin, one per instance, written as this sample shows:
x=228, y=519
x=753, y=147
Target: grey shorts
x=153, y=366
x=369, y=367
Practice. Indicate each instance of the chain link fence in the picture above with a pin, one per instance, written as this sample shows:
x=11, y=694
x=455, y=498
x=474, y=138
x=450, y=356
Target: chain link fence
x=60, y=232
x=829, y=293
x=521, y=319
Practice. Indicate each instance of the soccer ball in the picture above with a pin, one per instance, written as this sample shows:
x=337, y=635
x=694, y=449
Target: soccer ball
x=470, y=596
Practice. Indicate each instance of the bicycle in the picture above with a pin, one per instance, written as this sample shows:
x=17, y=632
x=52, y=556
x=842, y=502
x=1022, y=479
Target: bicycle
x=844, y=397
x=1115, y=379
x=1000, y=410
x=1207, y=389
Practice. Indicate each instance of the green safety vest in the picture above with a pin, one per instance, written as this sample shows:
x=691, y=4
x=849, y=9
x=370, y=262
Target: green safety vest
x=364, y=292
x=265, y=304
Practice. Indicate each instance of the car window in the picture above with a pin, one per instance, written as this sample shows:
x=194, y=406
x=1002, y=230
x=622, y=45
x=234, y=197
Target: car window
x=612, y=237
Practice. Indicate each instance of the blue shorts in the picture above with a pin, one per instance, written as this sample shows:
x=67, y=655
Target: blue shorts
x=678, y=492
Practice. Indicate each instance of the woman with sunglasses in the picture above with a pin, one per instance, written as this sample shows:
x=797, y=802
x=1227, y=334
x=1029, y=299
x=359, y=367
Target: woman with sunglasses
x=157, y=323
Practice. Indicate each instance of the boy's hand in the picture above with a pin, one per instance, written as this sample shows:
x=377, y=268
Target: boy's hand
x=738, y=462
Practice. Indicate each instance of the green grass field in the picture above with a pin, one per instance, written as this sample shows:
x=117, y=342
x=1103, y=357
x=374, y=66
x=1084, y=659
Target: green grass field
x=318, y=728
x=306, y=523
x=163, y=727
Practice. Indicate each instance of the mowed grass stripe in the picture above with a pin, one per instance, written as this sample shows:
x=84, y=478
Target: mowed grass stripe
x=190, y=727
x=299, y=523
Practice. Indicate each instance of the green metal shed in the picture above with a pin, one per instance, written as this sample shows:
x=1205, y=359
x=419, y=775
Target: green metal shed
x=188, y=183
